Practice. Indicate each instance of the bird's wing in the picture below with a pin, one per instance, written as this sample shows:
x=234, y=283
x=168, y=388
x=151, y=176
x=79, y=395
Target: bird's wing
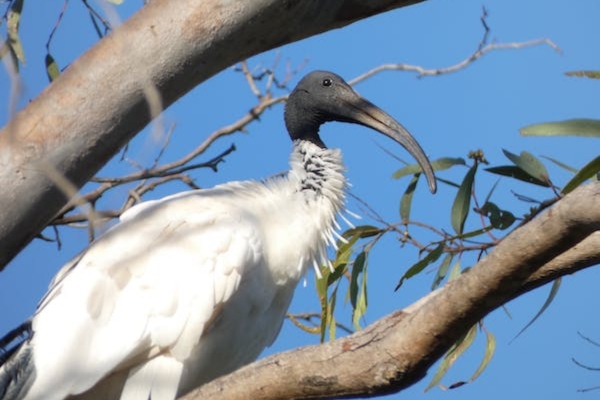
x=151, y=285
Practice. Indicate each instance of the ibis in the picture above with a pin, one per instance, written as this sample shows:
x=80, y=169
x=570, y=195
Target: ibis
x=193, y=286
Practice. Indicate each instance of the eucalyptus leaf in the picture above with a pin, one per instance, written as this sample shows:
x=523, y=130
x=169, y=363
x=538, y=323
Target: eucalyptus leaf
x=438, y=165
x=588, y=171
x=462, y=201
x=515, y=172
x=52, y=69
x=442, y=271
x=452, y=355
x=406, y=199
x=584, y=74
x=549, y=299
x=530, y=164
x=420, y=265
x=572, y=127
x=13, y=18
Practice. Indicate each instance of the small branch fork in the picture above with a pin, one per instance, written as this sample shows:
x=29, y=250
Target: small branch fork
x=482, y=49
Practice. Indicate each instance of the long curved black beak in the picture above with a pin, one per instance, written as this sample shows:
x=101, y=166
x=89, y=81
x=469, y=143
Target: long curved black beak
x=361, y=111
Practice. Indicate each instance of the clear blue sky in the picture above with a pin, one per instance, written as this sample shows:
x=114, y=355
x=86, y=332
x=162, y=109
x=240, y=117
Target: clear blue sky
x=480, y=107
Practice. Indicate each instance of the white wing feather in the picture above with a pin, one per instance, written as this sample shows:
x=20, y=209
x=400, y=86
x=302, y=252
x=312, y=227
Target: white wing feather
x=146, y=290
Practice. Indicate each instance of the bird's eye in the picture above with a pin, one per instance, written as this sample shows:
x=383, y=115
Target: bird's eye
x=327, y=82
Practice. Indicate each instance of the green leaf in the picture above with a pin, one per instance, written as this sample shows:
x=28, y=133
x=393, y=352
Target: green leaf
x=413, y=169
x=357, y=269
x=335, y=275
x=444, y=163
x=474, y=233
x=358, y=291
x=584, y=74
x=455, y=272
x=331, y=323
x=585, y=173
x=363, y=231
x=561, y=164
x=571, y=127
x=500, y=219
x=13, y=19
x=530, y=164
x=549, y=299
x=447, y=182
x=321, y=285
x=438, y=165
x=516, y=173
x=406, y=200
x=52, y=69
x=490, y=349
x=442, y=271
x=420, y=265
x=452, y=355
x=462, y=201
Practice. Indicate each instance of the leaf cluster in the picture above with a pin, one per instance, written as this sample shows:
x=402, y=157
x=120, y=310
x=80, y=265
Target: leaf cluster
x=490, y=222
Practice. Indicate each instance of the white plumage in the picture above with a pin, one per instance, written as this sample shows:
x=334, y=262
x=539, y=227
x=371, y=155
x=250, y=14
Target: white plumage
x=184, y=289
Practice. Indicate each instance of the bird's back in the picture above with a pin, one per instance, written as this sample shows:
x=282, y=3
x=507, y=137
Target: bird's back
x=181, y=288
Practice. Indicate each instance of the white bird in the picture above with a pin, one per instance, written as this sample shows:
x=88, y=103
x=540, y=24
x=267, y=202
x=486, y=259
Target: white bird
x=193, y=286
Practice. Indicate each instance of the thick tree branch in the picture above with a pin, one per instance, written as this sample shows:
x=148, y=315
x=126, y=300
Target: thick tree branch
x=80, y=121
x=396, y=351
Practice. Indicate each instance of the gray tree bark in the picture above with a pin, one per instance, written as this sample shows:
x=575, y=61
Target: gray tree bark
x=63, y=137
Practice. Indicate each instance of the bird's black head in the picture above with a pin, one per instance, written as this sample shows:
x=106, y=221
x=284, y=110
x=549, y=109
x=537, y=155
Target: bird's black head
x=323, y=96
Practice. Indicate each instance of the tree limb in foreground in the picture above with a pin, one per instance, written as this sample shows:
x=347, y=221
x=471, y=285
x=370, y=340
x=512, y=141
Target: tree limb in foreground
x=396, y=351
x=80, y=121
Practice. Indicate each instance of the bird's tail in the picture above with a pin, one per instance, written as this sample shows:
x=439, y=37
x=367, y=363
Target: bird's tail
x=16, y=367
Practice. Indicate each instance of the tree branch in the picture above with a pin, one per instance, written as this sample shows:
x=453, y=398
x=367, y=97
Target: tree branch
x=79, y=122
x=396, y=351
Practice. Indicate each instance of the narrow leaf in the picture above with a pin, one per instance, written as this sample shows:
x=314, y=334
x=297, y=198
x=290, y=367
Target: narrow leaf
x=549, y=299
x=52, y=69
x=406, y=200
x=361, y=304
x=455, y=271
x=571, y=127
x=447, y=182
x=462, y=201
x=561, y=164
x=357, y=269
x=588, y=171
x=490, y=348
x=321, y=286
x=452, y=355
x=331, y=323
x=530, y=164
x=337, y=273
x=515, y=172
x=442, y=271
x=363, y=231
x=358, y=291
x=13, y=18
x=584, y=74
x=420, y=265
x=438, y=165
x=474, y=233
x=412, y=169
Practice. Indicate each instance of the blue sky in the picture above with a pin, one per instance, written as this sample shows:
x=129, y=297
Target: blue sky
x=480, y=107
